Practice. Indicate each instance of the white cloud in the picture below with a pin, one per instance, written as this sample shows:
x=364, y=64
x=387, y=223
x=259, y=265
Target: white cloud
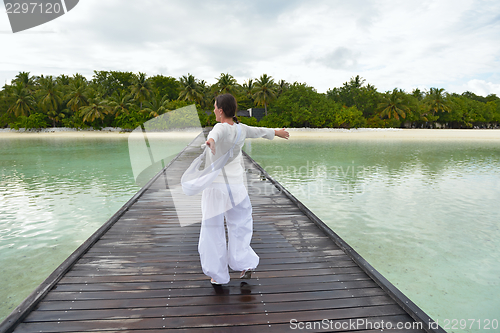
x=481, y=87
x=390, y=43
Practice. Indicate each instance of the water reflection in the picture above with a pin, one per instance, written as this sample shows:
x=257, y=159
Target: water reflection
x=53, y=195
x=425, y=214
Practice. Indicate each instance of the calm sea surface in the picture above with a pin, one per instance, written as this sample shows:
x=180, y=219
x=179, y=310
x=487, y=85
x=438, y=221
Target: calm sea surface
x=54, y=194
x=425, y=214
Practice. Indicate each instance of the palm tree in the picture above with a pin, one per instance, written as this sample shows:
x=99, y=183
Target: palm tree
x=282, y=86
x=25, y=79
x=355, y=82
x=56, y=116
x=264, y=92
x=393, y=105
x=120, y=102
x=418, y=94
x=248, y=88
x=77, y=95
x=157, y=105
x=141, y=88
x=97, y=109
x=24, y=101
x=191, y=91
x=208, y=95
x=226, y=84
x=63, y=80
x=50, y=97
x=437, y=100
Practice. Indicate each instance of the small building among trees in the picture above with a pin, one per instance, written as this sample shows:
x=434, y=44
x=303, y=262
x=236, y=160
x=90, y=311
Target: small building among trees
x=257, y=113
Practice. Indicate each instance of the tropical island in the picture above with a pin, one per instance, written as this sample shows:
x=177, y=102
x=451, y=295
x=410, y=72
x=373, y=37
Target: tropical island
x=126, y=100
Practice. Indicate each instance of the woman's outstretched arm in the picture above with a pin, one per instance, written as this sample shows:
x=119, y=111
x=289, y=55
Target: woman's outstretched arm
x=211, y=143
x=264, y=132
x=255, y=132
x=282, y=133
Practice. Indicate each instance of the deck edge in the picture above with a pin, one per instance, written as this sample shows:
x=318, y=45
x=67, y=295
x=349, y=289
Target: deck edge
x=401, y=299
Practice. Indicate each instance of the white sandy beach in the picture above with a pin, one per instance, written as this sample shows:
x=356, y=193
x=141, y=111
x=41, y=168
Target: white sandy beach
x=295, y=133
x=70, y=133
x=396, y=133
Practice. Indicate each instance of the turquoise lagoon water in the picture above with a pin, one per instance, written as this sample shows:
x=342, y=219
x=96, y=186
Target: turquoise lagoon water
x=425, y=214
x=54, y=193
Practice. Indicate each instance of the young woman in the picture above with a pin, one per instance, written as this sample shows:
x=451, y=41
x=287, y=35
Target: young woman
x=227, y=197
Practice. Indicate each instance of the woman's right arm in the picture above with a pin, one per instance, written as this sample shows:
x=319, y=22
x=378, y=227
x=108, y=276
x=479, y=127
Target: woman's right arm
x=214, y=135
x=211, y=144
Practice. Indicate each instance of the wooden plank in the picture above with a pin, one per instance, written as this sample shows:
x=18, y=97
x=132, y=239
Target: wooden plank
x=198, y=299
x=282, y=328
x=213, y=321
x=195, y=280
x=188, y=273
x=267, y=263
x=210, y=308
x=205, y=289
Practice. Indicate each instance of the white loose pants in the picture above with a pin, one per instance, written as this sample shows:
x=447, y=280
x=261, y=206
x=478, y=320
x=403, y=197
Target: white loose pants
x=216, y=203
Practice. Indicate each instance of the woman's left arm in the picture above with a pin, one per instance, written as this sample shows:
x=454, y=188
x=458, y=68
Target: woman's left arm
x=282, y=133
x=264, y=132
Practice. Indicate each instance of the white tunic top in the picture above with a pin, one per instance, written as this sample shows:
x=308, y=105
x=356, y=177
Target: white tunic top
x=224, y=136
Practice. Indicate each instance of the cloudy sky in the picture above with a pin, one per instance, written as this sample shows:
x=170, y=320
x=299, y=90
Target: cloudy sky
x=451, y=44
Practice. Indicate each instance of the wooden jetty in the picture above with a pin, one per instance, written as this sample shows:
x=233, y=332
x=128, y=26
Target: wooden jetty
x=140, y=272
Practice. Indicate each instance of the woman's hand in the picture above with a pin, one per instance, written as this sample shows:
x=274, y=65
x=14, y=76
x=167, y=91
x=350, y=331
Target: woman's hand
x=211, y=143
x=282, y=133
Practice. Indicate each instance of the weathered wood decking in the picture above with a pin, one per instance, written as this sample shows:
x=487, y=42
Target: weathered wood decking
x=141, y=273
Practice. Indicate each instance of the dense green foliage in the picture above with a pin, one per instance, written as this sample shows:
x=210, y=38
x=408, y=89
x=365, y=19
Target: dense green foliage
x=126, y=100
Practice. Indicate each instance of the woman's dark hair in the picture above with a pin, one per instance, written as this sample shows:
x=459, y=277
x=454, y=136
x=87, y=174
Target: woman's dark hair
x=228, y=104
